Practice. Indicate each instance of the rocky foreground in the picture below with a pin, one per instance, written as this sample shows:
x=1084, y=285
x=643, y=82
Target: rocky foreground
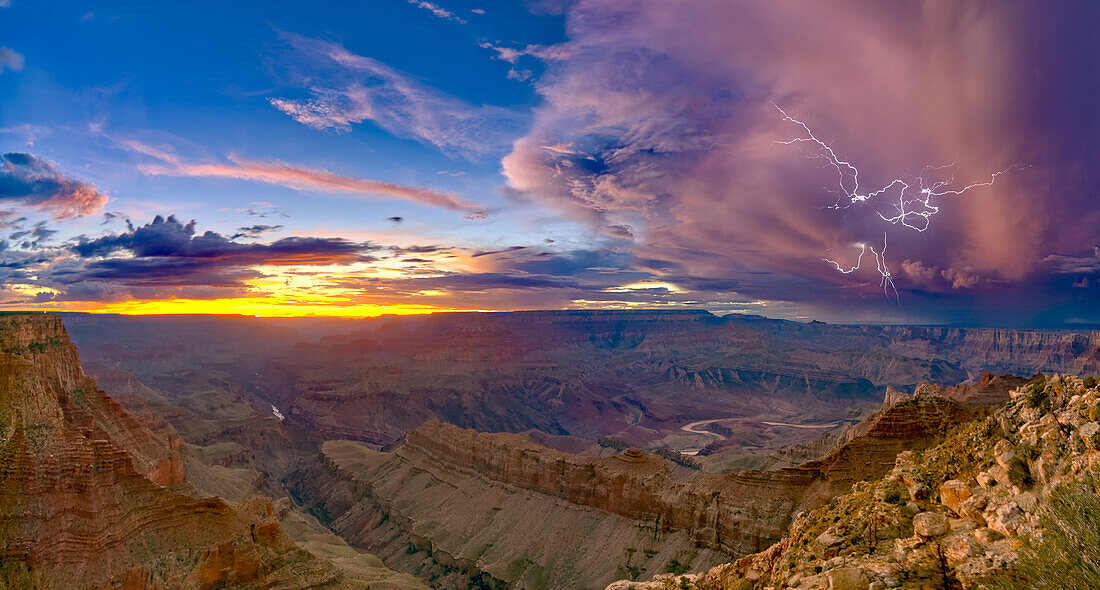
x=1005, y=501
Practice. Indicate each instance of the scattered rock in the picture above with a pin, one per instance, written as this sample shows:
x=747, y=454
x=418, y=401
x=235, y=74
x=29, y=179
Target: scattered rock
x=961, y=524
x=930, y=524
x=1005, y=519
x=1046, y=469
x=1027, y=501
x=986, y=535
x=986, y=479
x=960, y=547
x=919, y=491
x=1090, y=434
x=1004, y=453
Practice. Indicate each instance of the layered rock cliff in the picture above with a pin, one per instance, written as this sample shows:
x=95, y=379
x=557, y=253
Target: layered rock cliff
x=83, y=502
x=501, y=510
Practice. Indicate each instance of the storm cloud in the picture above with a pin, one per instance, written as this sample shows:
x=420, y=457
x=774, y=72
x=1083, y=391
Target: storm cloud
x=662, y=120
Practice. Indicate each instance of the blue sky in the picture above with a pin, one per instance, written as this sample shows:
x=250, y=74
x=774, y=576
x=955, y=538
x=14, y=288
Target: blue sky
x=197, y=79
x=404, y=156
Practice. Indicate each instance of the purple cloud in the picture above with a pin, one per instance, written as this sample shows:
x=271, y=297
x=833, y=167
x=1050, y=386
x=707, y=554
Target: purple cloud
x=34, y=182
x=661, y=120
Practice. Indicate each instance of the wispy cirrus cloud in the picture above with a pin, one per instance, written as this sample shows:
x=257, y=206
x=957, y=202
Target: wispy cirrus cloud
x=437, y=10
x=297, y=177
x=31, y=181
x=10, y=59
x=346, y=89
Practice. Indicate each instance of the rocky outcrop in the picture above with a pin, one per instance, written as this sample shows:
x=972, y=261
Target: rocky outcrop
x=449, y=499
x=83, y=502
x=1004, y=501
x=990, y=391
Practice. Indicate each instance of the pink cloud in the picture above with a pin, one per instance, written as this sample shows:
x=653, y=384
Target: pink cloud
x=299, y=177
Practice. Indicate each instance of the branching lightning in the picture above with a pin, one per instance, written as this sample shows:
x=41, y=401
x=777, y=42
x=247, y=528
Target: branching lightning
x=910, y=201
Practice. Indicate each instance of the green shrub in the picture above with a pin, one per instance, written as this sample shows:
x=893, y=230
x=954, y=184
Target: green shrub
x=1091, y=382
x=676, y=568
x=1068, y=556
x=1038, y=396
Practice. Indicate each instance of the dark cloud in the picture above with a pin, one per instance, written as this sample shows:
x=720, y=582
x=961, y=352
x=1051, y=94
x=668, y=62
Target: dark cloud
x=491, y=252
x=168, y=237
x=168, y=252
x=401, y=251
x=254, y=231
x=659, y=125
x=34, y=182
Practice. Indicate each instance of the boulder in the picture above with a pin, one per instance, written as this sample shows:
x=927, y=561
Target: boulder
x=930, y=524
x=828, y=545
x=953, y=493
x=1004, y=453
x=847, y=578
x=1090, y=434
x=1006, y=518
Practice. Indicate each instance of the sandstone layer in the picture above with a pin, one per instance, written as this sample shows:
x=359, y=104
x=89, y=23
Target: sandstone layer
x=504, y=512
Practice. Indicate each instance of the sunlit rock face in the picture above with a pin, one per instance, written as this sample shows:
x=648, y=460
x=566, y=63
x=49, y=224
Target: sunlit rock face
x=447, y=502
x=86, y=498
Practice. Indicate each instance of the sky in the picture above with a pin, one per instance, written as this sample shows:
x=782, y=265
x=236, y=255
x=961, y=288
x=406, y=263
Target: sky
x=930, y=162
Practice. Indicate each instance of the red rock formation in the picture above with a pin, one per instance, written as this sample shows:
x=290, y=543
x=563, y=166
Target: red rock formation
x=405, y=503
x=82, y=502
x=736, y=513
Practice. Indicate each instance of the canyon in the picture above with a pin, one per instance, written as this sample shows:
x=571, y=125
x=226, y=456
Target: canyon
x=521, y=450
x=91, y=498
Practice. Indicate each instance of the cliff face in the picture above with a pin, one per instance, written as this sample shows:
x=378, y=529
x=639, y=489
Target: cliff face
x=451, y=499
x=1013, y=351
x=82, y=502
x=456, y=527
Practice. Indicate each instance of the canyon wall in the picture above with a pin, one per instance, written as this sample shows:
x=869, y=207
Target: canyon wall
x=83, y=496
x=452, y=503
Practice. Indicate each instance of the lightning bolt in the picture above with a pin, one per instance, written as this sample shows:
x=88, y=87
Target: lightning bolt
x=913, y=207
